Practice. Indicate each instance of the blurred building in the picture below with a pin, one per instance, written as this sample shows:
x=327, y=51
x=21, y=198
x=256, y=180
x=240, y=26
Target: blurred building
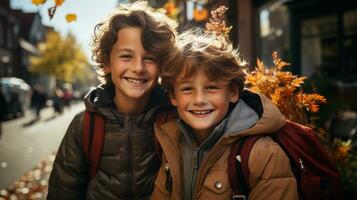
x=19, y=34
x=9, y=34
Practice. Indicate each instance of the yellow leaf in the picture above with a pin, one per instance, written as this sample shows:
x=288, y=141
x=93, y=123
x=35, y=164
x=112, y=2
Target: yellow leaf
x=260, y=65
x=38, y=2
x=59, y=2
x=344, y=148
x=71, y=17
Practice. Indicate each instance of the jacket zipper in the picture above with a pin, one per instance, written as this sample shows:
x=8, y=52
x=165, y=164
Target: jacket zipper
x=195, y=165
x=130, y=170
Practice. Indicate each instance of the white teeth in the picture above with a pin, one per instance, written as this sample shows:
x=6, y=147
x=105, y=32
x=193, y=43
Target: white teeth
x=135, y=81
x=200, y=112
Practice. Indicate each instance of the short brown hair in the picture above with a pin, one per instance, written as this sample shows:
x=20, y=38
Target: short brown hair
x=158, y=33
x=196, y=50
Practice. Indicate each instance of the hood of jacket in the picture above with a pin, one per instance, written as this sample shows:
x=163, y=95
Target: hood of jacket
x=254, y=114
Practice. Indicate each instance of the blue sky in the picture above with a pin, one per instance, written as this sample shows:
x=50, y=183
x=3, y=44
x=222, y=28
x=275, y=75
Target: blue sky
x=89, y=13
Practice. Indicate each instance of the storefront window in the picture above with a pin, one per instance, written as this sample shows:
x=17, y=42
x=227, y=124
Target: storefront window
x=329, y=48
x=273, y=31
x=319, y=46
x=2, y=30
x=350, y=42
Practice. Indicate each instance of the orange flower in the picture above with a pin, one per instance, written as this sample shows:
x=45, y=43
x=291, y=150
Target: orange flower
x=200, y=15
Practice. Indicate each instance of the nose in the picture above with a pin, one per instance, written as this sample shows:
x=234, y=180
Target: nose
x=200, y=98
x=137, y=66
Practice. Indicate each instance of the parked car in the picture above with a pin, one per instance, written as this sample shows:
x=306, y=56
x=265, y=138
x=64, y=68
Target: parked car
x=15, y=94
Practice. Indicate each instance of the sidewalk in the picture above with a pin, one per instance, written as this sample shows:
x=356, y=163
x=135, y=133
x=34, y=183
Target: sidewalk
x=32, y=185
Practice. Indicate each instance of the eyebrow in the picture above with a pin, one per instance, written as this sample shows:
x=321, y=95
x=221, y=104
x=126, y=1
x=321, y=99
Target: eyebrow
x=123, y=50
x=183, y=81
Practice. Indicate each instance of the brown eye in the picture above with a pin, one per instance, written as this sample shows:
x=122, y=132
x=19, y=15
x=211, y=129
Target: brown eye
x=212, y=87
x=125, y=57
x=185, y=89
x=150, y=59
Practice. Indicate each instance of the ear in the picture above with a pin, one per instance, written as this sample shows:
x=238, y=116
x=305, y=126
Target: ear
x=234, y=95
x=173, y=100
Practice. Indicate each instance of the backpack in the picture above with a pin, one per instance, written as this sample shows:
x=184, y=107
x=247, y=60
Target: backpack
x=93, y=133
x=313, y=168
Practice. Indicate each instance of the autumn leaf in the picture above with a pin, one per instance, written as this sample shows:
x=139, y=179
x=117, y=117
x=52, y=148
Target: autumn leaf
x=38, y=2
x=217, y=23
x=284, y=89
x=52, y=11
x=171, y=9
x=200, y=14
x=344, y=148
x=298, y=81
x=59, y=2
x=71, y=17
x=260, y=65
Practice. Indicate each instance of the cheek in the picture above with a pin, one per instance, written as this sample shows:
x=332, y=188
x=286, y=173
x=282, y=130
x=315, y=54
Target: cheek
x=221, y=101
x=182, y=100
x=117, y=67
x=153, y=70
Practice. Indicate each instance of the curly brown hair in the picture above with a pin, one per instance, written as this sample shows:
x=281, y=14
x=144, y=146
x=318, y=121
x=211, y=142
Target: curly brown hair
x=158, y=33
x=195, y=51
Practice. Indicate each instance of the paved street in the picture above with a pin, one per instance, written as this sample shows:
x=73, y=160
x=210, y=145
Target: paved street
x=24, y=145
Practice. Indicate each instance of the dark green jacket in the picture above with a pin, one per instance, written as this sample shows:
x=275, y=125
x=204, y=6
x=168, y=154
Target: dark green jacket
x=128, y=163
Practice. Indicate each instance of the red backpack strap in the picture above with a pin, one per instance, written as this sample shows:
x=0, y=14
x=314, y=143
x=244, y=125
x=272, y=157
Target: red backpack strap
x=238, y=169
x=93, y=139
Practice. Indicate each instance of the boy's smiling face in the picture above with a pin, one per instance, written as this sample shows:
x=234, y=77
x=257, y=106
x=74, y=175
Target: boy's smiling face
x=202, y=103
x=134, y=71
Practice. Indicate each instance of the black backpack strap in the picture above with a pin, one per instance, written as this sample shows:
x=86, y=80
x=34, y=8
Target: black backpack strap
x=238, y=169
x=93, y=139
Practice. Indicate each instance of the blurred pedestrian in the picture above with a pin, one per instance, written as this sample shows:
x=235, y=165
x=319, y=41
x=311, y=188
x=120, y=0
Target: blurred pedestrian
x=67, y=97
x=57, y=101
x=3, y=107
x=3, y=110
x=15, y=106
x=38, y=100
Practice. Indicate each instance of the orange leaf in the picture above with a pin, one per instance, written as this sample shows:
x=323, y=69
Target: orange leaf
x=200, y=15
x=59, y=2
x=71, y=17
x=38, y=2
x=169, y=7
x=260, y=65
x=298, y=81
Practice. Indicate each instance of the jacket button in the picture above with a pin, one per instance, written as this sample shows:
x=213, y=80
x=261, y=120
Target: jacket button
x=218, y=185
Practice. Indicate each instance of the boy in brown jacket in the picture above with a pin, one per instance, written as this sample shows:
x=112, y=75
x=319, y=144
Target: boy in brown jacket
x=205, y=80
